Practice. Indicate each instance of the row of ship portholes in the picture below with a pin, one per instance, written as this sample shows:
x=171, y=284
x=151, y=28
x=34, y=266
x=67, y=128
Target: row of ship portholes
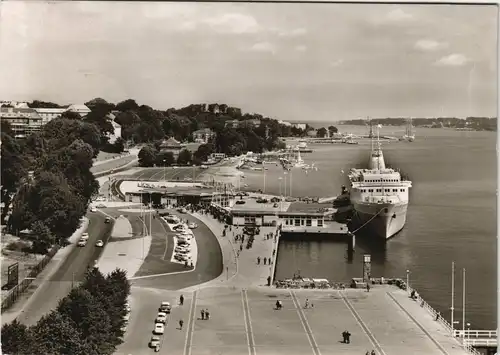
x=380, y=190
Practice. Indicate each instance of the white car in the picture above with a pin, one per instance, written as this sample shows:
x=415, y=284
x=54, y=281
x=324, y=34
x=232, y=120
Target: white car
x=165, y=307
x=161, y=318
x=192, y=225
x=99, y=243
x=179, y=249
x=93, y=209
x=85, y=236
x=82, y=243
x=183, y=210
x=159, y=328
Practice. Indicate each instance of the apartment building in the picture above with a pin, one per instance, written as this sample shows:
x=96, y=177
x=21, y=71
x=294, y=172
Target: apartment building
x=23, y=121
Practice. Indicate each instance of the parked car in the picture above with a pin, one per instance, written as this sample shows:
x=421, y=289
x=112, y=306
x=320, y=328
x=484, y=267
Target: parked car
x=161, y=318
x=82, y=243
x=240, y=202
x=183, y=242
x=93, y=209
x=182, y=248
x=262, y=200
x=165, y=307
x=85, y=236
x=99, y=243
x=179, y=227
x=275, y=199
x=192, y=225
x=183, y=252
x=159, y=328
x=183, y=210
x=107, y=220
x=180, y=257
x=154, y=342
x=101, y=205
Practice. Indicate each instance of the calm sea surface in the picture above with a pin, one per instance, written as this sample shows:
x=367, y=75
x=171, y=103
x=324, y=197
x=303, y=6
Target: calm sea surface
x=451, y=217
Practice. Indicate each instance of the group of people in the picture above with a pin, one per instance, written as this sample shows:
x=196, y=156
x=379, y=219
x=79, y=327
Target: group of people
x=205, y=315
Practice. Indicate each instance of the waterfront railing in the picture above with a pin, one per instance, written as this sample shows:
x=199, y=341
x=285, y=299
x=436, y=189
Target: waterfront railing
x=468, y=346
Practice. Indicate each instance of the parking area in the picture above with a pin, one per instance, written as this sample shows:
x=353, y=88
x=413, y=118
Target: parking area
x=246, y=321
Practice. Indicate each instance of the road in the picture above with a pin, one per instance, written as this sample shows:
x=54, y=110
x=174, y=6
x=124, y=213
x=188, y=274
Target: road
x=72, y=270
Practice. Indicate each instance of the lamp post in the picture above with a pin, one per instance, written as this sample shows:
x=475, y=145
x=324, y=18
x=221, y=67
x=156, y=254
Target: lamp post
x=264, y=179
x=164, y=169
x=468, y=331
x=194, y=171
x=285, y=173
x=408, y=281
x=291, y=183
x=452, y=297
x=463, y=302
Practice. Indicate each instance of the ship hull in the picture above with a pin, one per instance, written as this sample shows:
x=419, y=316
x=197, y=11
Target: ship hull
x=382, y=219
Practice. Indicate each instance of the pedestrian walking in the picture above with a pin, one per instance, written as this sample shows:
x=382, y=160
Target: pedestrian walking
x=274, y=252
x=207, y=314
x=367, y=287
x=181, y=300
x=203, y=314
x=258, y=260
x=348, y=337
x=307, y=303
x=181, y=323
x=265, y=260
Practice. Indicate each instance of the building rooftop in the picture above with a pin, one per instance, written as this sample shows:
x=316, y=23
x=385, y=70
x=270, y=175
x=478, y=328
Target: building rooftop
x=303, y=207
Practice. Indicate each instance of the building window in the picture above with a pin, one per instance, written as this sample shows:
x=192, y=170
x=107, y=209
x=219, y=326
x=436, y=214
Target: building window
x=301, y=222
x=320, y=222
x=297, y=222
x=402, y=190
x=370, y=190
x=308, y=222
x=394, y=190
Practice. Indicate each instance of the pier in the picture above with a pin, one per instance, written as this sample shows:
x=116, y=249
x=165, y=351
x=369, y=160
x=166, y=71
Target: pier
x=244, y=319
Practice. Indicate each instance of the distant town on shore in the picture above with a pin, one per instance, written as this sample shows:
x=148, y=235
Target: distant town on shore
x=469, y=123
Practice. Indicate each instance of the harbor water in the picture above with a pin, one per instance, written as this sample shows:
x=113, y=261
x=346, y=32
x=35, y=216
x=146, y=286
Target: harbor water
x=451, y=217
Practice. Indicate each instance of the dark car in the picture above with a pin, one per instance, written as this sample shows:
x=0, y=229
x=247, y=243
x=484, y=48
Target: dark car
x=240, y=202
x=275, y=199
x=107, y=220
x=262, y=200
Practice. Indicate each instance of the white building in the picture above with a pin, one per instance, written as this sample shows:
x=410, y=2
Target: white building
x=80, y=109
x=48, y=114
x=301, y=126
x=117, y=134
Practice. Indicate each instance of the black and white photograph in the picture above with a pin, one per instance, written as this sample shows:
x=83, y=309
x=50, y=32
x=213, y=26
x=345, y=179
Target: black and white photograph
x=262, y=178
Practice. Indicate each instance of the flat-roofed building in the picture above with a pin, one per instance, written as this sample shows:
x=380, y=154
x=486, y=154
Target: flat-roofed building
x=23, y=121
x=48, y=114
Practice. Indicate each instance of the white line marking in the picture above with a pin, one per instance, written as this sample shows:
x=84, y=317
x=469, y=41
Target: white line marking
x=363, y=326
x=190, y=326
x=248, y=323
x=305, y=324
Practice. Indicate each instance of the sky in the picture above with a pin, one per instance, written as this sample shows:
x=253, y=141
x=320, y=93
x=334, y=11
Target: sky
x=296, y=62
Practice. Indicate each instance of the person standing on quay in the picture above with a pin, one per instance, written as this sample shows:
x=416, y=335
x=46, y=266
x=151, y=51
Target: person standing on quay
x=181, y=300
x=181, y=323
x=258, y=260
x=202, y=314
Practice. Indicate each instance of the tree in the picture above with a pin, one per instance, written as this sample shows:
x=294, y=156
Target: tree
x=5, y=127
x=321, y=132
x=13, y=337
x=42, y=104
x=56, y=334
x=90, y=317
x=127, y=105
x=42, y=243
x=204, y=151
x=13, y=170
x=62, y=132
x=185, y=157
x=332, y=130
x=165, y=159
x=52, y=202
x=147, y=156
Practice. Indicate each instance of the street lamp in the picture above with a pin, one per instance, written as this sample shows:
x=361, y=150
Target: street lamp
x=164, y=169
x=408, y=280
x=468, y=331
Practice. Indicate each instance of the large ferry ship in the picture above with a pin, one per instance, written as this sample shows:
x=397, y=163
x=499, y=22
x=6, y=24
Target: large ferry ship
x=379, y=195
